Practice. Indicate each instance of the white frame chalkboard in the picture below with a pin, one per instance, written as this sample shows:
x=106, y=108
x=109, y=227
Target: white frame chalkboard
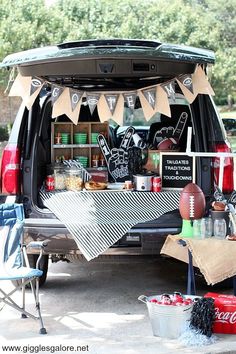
x=181, y=155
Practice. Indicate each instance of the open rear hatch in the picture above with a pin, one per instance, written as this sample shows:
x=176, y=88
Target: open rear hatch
x=109, y=64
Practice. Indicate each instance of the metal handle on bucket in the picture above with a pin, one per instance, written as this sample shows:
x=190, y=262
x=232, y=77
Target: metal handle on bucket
x=143, y=298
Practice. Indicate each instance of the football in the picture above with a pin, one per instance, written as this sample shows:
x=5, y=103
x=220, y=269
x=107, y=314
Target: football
x=192, y=202
x=167, y=144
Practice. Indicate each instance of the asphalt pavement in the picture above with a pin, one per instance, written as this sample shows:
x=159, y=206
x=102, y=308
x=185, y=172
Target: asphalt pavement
x=93, y=308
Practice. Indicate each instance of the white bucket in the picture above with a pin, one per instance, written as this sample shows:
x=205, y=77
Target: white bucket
x=168, y=321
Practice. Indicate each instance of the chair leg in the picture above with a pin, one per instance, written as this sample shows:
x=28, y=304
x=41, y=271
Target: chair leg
x=23, y=315
x=42, y=329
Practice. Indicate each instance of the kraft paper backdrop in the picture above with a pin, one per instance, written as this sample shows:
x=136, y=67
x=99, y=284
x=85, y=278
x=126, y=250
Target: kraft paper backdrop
x=62, y=105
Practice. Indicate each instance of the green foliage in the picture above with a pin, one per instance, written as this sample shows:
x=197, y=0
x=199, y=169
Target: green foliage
x=4, y=133
x=26, y=24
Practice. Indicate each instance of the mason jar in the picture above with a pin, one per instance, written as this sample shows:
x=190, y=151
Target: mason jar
x=59, y=176
x=74, y=180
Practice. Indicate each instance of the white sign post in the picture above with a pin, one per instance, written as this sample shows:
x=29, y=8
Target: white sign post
x=220, y=155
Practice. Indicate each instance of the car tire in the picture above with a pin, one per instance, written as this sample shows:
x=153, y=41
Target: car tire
x=43, y=265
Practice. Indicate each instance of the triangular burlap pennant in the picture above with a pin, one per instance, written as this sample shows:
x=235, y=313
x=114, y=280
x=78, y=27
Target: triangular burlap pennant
x=150, y=95
x=111, y=100
x=92, y=100
x=36, y=83
x=56, y=92
x=130, y=99
x=169, y=87
x=163, y=106
x=186, y=86
x=187, y=81
x=118, y=115
x=21, y=86
x=72, y=114
x=147, y=109
x=35, y=88
x=59, y=107
x=103, y=110
x=75, y=97
x=29, y=100
x=201, y=83
x=105, y=113
x=63, y=106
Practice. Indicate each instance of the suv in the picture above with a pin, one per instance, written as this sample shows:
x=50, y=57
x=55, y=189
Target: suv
x=107, y=65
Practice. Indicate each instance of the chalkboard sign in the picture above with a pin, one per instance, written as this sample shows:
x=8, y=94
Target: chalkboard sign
x=176, y=170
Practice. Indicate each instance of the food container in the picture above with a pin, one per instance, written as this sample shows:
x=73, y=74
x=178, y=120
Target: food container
x=59, y=176
x=83, y=160
x=74, y=180
x=143, y=182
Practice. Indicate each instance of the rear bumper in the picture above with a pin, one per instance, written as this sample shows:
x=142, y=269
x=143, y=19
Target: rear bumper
x=146, y=238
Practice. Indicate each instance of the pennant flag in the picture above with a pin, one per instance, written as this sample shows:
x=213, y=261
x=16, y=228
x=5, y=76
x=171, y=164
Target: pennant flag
x=185, y=83
x=130, y=99
x=150, y=96
x=105, y=113
x=147, y=109
x=63, y=106
x=59, y=106
x=111, y=100
x=201, y=83
x=75, y=97
x=163, y=105
x=111, y=105
x=21, y=86
x=56, y=92
x=170, y=89
x=36, y=84
x=92, y=100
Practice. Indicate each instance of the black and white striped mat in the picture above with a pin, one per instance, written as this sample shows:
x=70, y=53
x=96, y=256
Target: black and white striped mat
x=98, y=219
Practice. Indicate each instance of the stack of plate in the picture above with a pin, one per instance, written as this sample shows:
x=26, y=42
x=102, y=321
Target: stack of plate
x=83, y=160
x=80, y=138
x=94, y=138
x=65, y=138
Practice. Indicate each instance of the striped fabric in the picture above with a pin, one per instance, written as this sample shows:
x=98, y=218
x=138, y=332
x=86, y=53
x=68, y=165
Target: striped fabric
x=98, y=219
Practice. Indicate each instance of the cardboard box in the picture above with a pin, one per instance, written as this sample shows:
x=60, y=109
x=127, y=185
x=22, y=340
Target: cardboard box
x=225, y=313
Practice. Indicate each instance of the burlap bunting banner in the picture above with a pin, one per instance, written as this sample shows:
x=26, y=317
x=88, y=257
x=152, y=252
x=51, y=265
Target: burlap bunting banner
x=111, y=105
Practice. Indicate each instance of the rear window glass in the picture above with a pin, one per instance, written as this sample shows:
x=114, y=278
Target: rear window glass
x=136, y=117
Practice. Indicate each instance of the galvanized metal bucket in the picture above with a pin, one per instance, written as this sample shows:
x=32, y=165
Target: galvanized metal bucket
x=167, y=321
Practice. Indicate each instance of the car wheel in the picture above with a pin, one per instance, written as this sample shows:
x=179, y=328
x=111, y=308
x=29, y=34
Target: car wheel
x=43, y=265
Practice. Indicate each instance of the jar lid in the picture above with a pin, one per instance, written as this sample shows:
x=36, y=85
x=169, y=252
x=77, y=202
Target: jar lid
x=74, y=170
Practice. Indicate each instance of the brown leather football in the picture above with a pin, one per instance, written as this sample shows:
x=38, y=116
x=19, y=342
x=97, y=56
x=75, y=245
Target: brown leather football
x=192, y=202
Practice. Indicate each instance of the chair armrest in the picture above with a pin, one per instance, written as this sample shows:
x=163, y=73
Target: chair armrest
x=37, y=244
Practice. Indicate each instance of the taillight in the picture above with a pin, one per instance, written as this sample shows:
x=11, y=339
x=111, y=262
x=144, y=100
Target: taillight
x=10, y=170
x=228, y=179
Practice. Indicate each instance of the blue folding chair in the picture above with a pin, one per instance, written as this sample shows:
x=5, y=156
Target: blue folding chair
x=14, y=264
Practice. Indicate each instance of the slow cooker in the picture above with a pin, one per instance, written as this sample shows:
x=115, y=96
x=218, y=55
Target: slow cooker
x=143, y=182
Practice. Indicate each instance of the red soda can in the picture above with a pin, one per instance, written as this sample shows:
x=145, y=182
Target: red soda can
x=50, y=183
x=156, y=184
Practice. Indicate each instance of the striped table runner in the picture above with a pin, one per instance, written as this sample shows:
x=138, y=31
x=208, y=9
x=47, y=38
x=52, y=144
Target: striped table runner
x=98, y=219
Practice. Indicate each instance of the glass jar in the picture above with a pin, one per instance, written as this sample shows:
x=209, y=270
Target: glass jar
x=59, y=176
x=74, y=180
